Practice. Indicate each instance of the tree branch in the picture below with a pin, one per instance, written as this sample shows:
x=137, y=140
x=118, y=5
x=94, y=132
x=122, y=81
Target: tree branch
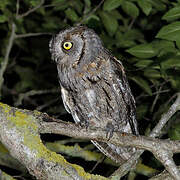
x=89, y=14
x=30, y=35
x=19, y=132
x=18, y=16
x=6, y=58
x=125, y=168
x=166, y=116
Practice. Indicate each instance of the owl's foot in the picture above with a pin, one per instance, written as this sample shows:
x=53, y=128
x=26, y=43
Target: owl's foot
x=109, y=130
x=84, y=124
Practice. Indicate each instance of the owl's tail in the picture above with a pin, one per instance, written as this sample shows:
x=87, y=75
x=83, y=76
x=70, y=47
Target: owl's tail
x=117, y=154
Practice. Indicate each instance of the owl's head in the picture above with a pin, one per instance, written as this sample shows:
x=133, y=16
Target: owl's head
x=74, y=45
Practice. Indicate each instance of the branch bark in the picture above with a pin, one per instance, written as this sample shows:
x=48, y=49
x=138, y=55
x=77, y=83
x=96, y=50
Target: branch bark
x=130, y=164
x=6, y=58
x=19, y=132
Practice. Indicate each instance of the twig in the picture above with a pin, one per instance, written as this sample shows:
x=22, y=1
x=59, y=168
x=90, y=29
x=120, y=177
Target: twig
x=6, y=59
x=17, y=8
x=162, y=149
x=32, y=93
x=89, y=14
x=131, y=23
x=49, y=103
x=30, y=35
x=172, y=110
x=125, y=168
x=30, y=11
x=155, y=100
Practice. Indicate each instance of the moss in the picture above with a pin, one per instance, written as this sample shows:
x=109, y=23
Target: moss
x=5, y=107
x=5, y=176
x=3, y=149
x=25, y=122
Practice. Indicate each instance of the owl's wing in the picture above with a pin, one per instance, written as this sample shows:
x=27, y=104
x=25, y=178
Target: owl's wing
x=121, y=83
x=69, y=104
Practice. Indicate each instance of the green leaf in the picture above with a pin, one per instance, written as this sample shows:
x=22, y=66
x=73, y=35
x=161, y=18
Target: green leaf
x=143, y=63
x=111, y=4
x=71, y=14
x=87, y=7
x=145, y=6
x=172, y=14
x=116, y=14
x=178, y=44
x=164, y=46
x=175, y=82
x=174, y=132
x=141, y=111
x=3, y=18
x=142, y=83
x=34, y=3
x=158, y=5
x=60, y=5
x=143, y=51
x=173, y=62
x=110, y=23
x=130, y=8
x=77, y=5
x=152, y=73
x=170, y=32
x=4, y=3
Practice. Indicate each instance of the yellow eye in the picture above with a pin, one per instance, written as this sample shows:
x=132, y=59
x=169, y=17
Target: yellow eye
x=67, y=45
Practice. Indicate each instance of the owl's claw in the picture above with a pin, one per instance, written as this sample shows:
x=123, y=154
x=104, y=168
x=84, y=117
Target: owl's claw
x=84, y=124
x=109, y=130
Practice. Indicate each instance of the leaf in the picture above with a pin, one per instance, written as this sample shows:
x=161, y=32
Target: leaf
x=3, y=18
x=143, y=63
x=116, y=14
x=174, y=132
x=143, y=51
x=159, y=6
x=60, y=5
x=77, y=5
x=172, y=14
x=141, y=111
x=145, y=6
x=4, y=3
x=130, y=8
x=173, y=62
x=170, y=32
x=71, y=14
x=111, y=4
x=34, y=3
x=175, y=82
x=164, y=47
x=178, y=44
x=152, y=73
x=142, y=83
x=87, y=7
x=110, y=23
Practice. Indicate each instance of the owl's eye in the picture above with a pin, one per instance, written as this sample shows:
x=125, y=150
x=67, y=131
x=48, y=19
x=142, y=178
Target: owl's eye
x=67, y=45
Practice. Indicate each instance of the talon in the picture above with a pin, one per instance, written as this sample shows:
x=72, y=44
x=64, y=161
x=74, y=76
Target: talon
x=84, y=124
x=109, y=130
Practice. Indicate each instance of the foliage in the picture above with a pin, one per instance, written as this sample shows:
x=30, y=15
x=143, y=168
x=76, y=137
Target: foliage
x=144, y=35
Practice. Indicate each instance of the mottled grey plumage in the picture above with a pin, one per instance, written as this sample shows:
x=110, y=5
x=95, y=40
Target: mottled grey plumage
x=94, y=87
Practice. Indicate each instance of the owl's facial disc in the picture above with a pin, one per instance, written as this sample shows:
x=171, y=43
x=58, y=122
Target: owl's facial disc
x=70, y=46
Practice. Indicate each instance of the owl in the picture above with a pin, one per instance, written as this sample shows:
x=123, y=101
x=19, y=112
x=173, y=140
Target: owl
x=94, y=87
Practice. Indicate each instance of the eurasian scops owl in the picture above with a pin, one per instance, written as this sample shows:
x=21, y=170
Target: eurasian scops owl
x=94, y=86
